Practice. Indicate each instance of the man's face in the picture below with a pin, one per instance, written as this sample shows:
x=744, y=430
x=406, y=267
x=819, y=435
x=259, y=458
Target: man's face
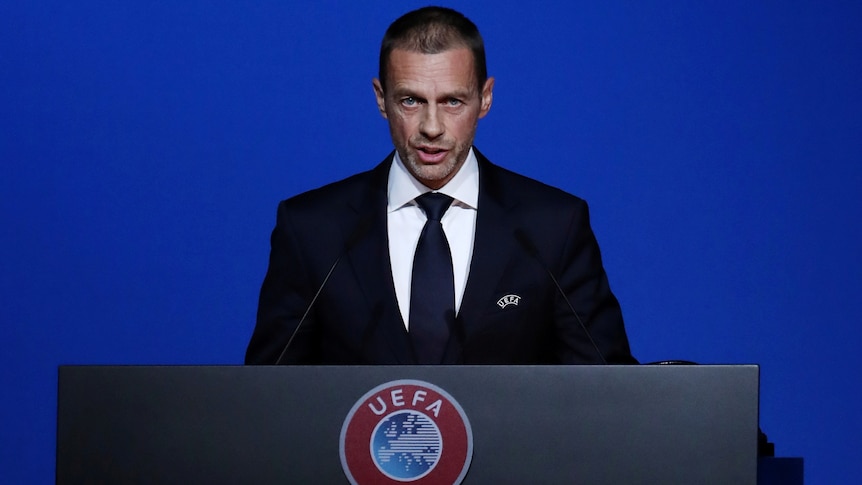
x=433, y=105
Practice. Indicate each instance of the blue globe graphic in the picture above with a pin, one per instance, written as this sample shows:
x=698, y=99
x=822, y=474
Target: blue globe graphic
x=406, y=445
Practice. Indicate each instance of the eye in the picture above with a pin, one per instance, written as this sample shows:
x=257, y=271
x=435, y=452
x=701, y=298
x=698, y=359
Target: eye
x=409, y=101
x=453, y=102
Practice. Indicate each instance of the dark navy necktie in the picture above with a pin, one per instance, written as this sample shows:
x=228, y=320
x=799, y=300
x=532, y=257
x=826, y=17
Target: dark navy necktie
x=432, y=291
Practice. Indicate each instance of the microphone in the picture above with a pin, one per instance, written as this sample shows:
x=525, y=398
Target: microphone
x=355, y=236
x=531, y=249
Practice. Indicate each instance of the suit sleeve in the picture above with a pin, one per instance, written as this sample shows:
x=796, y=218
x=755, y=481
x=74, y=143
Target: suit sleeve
x=582, y=277
x=284, y=297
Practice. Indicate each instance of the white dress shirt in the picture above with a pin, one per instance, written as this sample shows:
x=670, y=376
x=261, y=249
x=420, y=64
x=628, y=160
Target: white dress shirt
x=405, y=220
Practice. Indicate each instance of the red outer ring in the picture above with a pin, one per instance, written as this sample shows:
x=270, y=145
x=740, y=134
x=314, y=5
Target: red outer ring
x=360, y=423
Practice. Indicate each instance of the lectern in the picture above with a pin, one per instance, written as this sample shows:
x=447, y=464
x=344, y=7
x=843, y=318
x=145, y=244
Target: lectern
x=406, y=424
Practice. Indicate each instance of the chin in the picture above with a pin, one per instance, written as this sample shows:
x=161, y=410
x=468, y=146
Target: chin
x=432, y=173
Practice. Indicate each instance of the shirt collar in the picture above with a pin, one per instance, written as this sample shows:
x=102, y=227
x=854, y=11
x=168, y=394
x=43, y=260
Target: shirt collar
x=403, y=187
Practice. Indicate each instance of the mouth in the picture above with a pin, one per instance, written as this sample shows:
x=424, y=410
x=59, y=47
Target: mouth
x=431, y=154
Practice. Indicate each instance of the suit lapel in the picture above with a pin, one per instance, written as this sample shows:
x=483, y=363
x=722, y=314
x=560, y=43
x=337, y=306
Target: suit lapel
x=493, y=244
x=369, y=259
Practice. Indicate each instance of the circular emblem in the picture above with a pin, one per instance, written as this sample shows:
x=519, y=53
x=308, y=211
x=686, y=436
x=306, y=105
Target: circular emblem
x=406, y=431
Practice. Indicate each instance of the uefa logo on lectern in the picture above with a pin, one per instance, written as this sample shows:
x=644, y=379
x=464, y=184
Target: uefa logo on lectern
x=406, y=431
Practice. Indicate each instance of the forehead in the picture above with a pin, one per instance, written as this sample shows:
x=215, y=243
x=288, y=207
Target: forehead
x=451, y=69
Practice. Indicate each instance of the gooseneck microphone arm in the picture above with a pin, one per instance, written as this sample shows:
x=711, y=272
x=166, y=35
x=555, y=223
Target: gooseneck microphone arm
x=355, y=236
x=530, y=248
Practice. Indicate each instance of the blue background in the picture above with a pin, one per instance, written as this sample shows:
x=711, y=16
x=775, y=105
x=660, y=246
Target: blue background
x=145, y=145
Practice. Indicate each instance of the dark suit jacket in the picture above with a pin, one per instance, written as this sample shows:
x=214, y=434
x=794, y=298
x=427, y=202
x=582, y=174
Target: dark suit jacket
x=356, y=318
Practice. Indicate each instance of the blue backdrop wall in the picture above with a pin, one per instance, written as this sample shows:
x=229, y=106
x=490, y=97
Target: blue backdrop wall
x=145, y=145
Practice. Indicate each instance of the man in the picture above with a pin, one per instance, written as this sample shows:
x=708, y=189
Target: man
x=365, y=268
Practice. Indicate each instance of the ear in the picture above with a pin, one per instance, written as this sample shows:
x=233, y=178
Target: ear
x=487, y=97
x=381, y=99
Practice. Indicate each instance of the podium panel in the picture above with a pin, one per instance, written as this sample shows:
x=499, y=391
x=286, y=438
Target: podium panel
x=529, y=424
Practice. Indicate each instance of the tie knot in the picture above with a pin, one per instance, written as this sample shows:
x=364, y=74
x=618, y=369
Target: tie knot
x=434, y=204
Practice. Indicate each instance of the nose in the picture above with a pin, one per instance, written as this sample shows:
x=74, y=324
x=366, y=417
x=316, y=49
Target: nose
x=430, y=125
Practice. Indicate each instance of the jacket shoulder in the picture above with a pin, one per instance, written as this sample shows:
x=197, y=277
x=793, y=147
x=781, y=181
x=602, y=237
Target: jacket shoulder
x=526, y=191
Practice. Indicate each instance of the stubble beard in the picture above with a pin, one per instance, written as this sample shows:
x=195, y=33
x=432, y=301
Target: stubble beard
x=433, y=174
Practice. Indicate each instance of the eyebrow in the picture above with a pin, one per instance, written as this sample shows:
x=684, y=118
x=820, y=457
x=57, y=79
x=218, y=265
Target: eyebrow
x=458, y=94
